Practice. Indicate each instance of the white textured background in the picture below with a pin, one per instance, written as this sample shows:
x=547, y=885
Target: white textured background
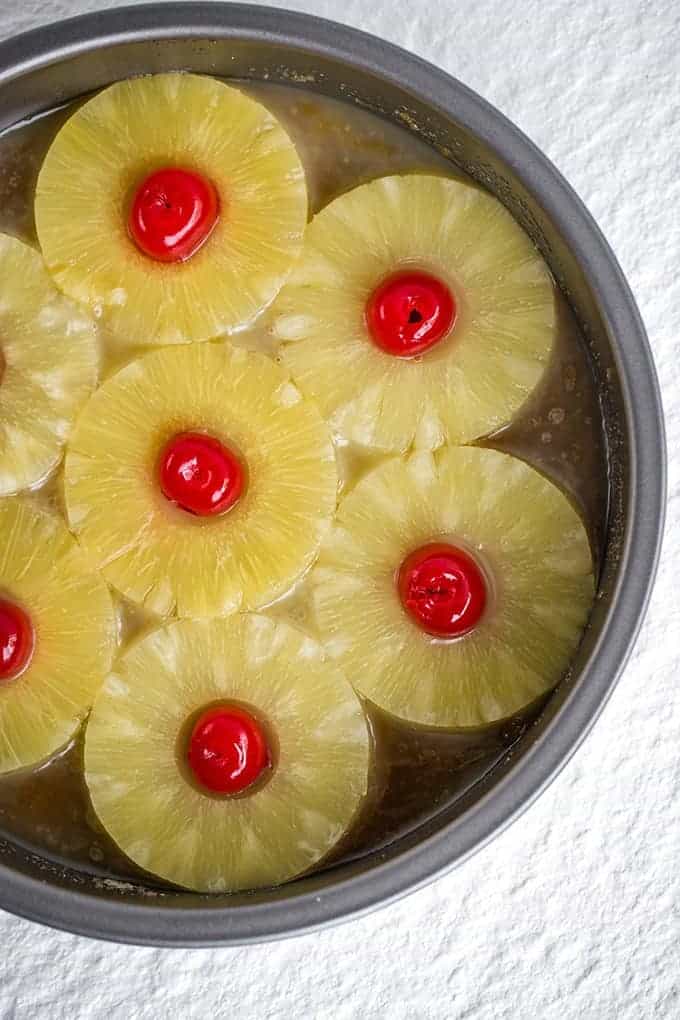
x=575, y=911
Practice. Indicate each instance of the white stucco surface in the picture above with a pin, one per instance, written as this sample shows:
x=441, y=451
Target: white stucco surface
x=574, y=912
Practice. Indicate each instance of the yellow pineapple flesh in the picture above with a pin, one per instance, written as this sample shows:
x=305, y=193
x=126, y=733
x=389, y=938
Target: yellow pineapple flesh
x=478, y=374
x=110, y=145
x=135, y=754
x=530, y=544
x=157, y=554
x=49, y=359
x=70, y=609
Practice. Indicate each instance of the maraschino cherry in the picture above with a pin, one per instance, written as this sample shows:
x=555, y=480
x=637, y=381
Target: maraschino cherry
x=200, y=475
x=228, y=750
x=442, y=589
x=409, y=313
x=17, y=640
x=173, y=213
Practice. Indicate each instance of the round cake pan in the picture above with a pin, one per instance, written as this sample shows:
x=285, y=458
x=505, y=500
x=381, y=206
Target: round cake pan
x=50, y=66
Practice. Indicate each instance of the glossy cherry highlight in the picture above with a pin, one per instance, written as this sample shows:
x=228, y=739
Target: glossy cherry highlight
x=409, y=313
x=442, y=589
x=227, y=750
x=173, y=213
x=17, y=640
x=200, y=475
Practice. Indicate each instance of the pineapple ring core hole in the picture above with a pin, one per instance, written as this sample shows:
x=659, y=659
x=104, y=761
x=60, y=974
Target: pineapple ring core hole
x=409, y=312
x=443, y=589
x=17, y=640
x=200, y=474
x=173, y=213
x=255, y=725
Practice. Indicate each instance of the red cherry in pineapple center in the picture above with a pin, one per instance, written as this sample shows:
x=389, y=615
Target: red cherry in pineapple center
x=409, y=313
x=173, y=213
x=442, y=589
x=17, y=640
x=200, y=474
x=227, y=750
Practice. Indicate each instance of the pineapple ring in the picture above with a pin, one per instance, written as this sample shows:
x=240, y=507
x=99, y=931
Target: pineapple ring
x=215, y=844
x=172, y=561
x=43, y=570
x=110, y=146
x=478, y=375
x=530, y=543
x=49, y=360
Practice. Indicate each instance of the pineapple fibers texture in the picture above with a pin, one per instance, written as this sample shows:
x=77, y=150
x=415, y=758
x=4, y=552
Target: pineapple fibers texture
x=44, y=571
x=49, y=360
x=134, y=754
x=533, y=548
x=107, y=149
x=157, y=554
x=474, y=379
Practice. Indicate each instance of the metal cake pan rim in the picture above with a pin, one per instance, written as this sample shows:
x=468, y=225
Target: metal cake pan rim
x=154, y=924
